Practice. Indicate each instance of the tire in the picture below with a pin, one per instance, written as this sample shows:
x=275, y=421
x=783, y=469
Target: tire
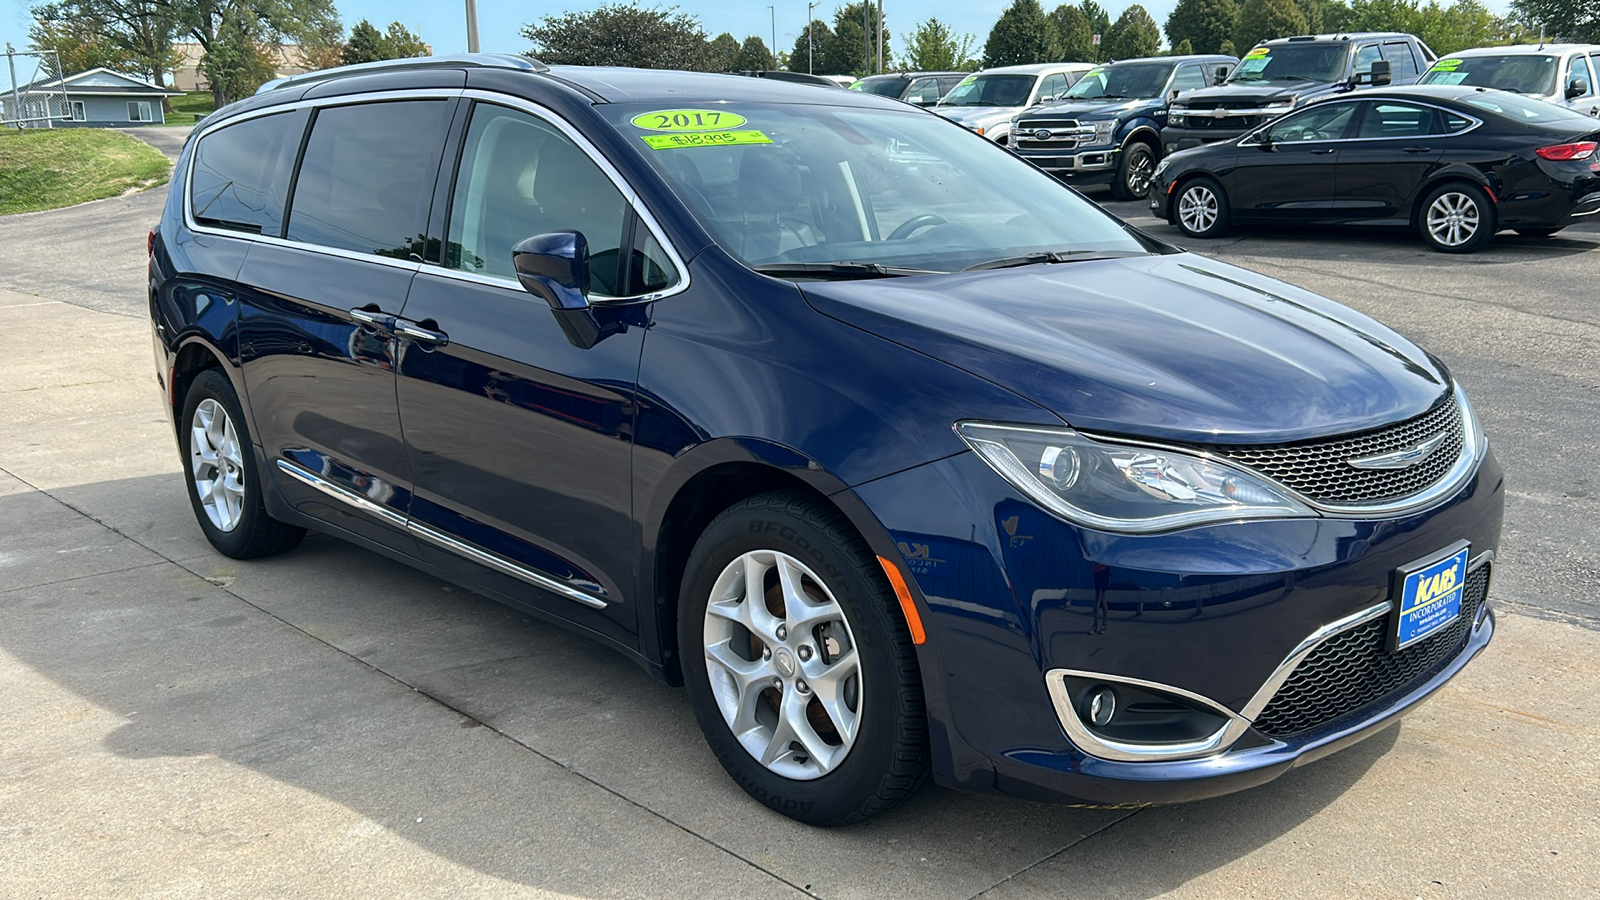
x=1207, y=214
x=1456, y=218
x=841, y=766
x=1537, y=232
x=214, y=442
x=1135, y=170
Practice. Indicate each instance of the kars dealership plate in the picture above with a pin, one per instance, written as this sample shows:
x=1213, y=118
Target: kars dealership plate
x=1428, y=595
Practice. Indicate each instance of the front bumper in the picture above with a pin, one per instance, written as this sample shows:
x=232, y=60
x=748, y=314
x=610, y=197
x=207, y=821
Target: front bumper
x=1087, y=166
x=1012, y=594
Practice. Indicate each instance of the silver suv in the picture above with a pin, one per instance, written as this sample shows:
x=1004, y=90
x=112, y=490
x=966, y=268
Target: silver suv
x=1563, y=74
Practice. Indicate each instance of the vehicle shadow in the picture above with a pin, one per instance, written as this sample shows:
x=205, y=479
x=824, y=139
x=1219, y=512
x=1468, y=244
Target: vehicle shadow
x=458, y=725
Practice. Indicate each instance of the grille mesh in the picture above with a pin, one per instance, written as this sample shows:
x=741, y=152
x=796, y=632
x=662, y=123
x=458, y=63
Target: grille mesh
x=1353, y=669
x=1320, y=469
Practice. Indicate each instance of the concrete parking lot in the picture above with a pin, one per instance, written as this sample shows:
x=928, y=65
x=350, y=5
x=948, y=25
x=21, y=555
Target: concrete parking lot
x=328, y=723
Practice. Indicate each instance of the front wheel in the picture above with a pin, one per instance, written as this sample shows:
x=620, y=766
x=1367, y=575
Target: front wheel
x=799, y=664
x=1135, y=171
x=1202, y=209
x=1457, y=218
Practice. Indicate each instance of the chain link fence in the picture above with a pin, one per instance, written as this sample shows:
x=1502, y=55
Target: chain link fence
x=35, y=95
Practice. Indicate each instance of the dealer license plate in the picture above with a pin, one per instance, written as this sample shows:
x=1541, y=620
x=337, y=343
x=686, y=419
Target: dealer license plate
x=1429, y=596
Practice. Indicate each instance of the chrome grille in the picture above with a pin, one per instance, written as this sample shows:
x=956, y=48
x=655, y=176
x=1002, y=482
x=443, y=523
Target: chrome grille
x=1320, y=469
x=1354, y=668
x=1065, y=134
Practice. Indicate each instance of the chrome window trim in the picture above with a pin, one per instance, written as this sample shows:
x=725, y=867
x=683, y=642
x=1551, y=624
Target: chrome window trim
x=1238, y=722
x=1242, y=141
x=439, y=538
x=646, y=217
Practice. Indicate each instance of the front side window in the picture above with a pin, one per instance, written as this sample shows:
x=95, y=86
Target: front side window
x=364, y=181
x=923, y=92
x=1325, y=122
x=1366, y=56
x=800, y=183
x=1578, y=67
x=1388, y=119
x=1052, y=87
x=519, y=177
x=1135, y=82
x=239, y=176
x=1189, y=78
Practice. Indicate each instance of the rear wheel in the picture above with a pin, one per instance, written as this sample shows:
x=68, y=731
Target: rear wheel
x=798, y=662
x=1457, y=218
x=224, y=486
x=1135, y=171
x=1201, y=209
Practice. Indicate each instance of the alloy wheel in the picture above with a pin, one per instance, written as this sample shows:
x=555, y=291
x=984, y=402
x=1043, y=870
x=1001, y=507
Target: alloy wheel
x=1453, y=219
x=782, y=664
x=216, y=463
x=1141, y=169
x=1197, y=208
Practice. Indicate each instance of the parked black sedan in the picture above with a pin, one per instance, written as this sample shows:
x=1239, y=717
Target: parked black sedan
x=1455, y=163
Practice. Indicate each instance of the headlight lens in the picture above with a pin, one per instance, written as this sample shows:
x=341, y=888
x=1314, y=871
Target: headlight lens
x=1162, y=166
x=1124, y=487
x=1103, y=132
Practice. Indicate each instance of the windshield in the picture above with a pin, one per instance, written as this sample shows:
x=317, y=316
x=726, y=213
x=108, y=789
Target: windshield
x=884, y=87
x=990, y=90
x=1130, y=82
x=1525, y=109
x=1321, y=63
x=1521, y=73
x=808, y=184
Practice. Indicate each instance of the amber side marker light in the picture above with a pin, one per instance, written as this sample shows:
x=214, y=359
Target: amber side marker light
x=903, y=593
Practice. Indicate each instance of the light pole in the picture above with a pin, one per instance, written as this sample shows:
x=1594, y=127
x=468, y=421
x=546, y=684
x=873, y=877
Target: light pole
x=472, y=26
x=809, y=45
x=774, y=50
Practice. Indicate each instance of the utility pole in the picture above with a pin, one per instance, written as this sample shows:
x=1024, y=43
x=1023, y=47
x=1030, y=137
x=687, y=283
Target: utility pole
x=774, y=49
x=880, y=37
x=866, y=37
x=16, y=91
x=472, y=26
x=809, y=42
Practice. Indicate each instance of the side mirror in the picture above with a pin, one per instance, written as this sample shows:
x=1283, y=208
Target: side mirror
x=1381, y=72
x=555, y=268
x=1577, y=87
x=1222, y=74
x=1172, y=95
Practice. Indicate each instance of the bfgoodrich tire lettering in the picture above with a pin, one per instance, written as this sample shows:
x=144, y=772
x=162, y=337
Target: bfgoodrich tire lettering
x=857, y=774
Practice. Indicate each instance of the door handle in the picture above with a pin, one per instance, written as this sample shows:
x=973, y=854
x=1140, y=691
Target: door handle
x=1324, y=151
x=373, y=317
x=1417, y=149
x=419, y=332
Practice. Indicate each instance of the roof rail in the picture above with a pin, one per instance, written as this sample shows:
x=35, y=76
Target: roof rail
x=452, y=61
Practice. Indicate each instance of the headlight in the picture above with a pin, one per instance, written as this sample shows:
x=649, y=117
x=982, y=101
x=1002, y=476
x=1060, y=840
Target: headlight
x=1177, y=115
x=1162, y=167
x=1103, y=131
x=1124, y=487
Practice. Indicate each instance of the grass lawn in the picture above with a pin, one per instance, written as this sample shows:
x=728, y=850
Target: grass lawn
x=50, y=168
x=191, y=105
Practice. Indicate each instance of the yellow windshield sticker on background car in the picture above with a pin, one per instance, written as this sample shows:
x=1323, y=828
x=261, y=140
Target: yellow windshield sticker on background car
x=688, y=120
x=1258, y=52
x=704, y=139
x=1447, y=64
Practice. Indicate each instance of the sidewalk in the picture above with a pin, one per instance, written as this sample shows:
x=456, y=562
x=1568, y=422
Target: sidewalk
x=328, y=723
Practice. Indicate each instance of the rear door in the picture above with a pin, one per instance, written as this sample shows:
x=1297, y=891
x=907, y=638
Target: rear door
x=520, y=442
x=316, y=338
x=1394, y=145
x=1291, y=175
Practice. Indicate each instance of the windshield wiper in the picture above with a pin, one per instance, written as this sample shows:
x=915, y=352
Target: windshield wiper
x=1052, y=256
x=1291, y=78
x=839, y=270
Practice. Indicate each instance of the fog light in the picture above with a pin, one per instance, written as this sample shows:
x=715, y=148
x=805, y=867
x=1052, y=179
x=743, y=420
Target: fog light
x=1101, y=706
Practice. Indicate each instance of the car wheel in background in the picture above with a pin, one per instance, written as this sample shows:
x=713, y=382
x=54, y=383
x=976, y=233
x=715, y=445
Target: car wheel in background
x=1457, y=218
x=1201, y=209
x=799, y=663
x=1135, y=171
x=219, y=469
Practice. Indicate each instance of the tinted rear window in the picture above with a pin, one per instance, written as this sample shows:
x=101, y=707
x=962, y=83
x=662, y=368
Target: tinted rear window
x=886, y=87
x=240, y=174
x=1525, y=109
x=366, y=177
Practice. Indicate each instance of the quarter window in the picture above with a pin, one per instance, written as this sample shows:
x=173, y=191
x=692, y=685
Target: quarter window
x=240, y=174
x=364, y=181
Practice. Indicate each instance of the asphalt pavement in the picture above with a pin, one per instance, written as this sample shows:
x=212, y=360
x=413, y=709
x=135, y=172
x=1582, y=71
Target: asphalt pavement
x=329, y=723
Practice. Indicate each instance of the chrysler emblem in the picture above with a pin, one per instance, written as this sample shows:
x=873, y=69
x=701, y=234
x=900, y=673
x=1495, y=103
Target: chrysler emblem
x=1042, y=134
x=1400, y=459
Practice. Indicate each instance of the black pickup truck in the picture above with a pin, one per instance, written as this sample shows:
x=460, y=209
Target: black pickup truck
x=1280, y=75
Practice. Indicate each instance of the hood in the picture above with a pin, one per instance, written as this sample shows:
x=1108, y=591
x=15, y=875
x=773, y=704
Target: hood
x=1174, y=347
x=1091, y=110
x=977, y=116
x=1265, y=92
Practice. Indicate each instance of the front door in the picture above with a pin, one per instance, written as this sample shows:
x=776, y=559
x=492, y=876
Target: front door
x=1290, y=174
x=317, y=346
x=1394, y=147
x=520, y=442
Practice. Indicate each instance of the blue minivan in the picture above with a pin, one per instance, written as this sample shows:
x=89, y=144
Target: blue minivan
x=900, y=456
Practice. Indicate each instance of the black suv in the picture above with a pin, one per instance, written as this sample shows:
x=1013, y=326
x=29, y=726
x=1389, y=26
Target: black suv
x=1108, y=128
x=1284, y=74
x=918, y=88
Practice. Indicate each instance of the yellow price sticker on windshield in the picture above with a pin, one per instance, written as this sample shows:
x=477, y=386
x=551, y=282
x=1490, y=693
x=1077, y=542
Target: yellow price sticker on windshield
x=682, y=120
x=704, y=139
x=1258, y=52
x=1447, y=64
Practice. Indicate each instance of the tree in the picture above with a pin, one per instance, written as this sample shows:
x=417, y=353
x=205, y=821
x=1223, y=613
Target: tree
x=1182, y=48
x=1133, y=35
x=1074, y=40
x=402, y=43
x=1228, y=49
x=1205, y=24
x=810, y=53
x=1569, y=20
x=724, y=52
x=1022, y=35
x=1467, y=23
x=1099, y=23
x=619, y=34
x=132, y=36
x=238, y=60
x=250, y=31
x=1261, y=20
x=754, y=56
x=933, y=47
x=847, y=48
x=368, y=44
x=78, y=44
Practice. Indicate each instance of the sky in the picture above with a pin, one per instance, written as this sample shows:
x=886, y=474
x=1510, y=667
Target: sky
x=443, y=22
